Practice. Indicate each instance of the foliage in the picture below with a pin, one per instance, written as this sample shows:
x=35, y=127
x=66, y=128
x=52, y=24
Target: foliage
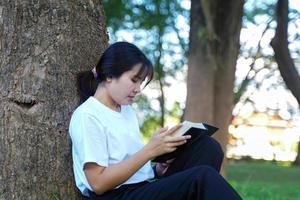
x=264, y=180
x=151, y=122
x=150, y=125
x=176, y=111
x=255, y=9
x=153, y=24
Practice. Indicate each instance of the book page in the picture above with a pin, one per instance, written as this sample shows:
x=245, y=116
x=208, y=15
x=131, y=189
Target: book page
x=193, y=124
x=186, y=125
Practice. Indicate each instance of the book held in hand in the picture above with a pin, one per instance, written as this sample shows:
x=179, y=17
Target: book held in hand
x=188, y=128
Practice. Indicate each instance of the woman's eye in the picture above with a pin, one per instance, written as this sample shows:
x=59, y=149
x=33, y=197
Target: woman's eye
x=134, y=80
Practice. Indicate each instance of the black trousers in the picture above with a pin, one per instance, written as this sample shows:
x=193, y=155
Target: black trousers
x=193, y=175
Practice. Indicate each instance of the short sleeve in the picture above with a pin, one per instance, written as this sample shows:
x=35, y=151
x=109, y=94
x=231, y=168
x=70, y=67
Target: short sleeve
x=89, y=140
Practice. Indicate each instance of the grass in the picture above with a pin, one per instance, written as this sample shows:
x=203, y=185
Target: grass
x=264, y=180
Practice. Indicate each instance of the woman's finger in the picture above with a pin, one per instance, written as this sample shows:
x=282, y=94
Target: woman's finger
x=170, y=161
x=175, y=144
x=162, y=130
x=164, y=164
x=177, y=138
x=172, y=130
x=171, y=149
x=175, y=128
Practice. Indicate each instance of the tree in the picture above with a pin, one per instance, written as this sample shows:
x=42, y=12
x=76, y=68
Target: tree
x=213, y=50
x=44, y=44
x=283, y=57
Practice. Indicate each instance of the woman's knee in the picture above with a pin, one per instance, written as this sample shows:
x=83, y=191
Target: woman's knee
x=213, y=146
x=203, y=171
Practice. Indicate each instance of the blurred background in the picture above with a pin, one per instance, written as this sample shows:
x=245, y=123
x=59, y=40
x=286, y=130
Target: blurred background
x=234, y=64
x=262, y=125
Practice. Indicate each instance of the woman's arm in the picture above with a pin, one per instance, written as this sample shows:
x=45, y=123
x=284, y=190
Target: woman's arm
x=103, y=179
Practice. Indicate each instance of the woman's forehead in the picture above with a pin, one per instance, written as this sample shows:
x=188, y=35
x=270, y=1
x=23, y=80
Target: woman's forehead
x=139, y=71
x=136, y=68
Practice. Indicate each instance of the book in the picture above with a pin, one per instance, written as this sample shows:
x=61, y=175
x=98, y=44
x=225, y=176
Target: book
x=188, y=128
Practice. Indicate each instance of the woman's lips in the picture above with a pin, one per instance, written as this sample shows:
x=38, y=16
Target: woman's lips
x=131, y=97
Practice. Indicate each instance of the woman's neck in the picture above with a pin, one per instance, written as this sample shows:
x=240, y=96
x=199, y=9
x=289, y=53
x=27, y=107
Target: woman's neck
x=102, y=95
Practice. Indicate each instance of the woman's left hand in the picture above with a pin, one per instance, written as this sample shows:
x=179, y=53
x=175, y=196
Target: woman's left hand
x=161, y=168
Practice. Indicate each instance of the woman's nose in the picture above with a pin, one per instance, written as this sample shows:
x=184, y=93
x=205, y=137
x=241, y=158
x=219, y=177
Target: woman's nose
x=137, y=88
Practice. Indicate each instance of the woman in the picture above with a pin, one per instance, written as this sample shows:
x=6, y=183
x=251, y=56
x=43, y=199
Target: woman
x=110, y=160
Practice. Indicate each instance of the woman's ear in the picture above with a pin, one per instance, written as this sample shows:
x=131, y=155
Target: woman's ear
x=108, y=79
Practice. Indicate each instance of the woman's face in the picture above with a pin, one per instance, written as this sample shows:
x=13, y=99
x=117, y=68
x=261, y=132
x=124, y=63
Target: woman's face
x=122, y=90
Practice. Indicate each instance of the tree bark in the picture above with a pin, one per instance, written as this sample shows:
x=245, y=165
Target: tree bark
x=214, y=47
x=283, y=57
x=44, y=44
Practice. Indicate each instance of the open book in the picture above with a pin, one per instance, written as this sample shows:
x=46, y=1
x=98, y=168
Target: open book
x=188, y=128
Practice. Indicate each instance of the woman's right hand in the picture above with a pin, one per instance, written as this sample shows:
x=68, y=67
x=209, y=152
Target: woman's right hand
x=164, y=141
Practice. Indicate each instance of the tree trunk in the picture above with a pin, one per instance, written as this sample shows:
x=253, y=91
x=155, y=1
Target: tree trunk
x=283, y=57
x=44, y=44
x=214, y=46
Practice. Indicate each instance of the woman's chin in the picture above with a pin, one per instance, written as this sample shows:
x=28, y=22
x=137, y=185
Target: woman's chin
x=127, y=102
x=130, y=100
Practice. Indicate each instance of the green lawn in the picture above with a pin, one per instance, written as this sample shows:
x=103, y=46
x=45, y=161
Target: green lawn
x=264, y=180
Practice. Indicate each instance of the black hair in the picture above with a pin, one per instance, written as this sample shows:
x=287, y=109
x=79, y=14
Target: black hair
x=116, y=59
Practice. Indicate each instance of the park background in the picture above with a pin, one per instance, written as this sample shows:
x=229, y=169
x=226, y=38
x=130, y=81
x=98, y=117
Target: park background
x=214, y=62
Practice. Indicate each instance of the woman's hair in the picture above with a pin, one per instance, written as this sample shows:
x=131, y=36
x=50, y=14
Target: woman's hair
x=116, y=59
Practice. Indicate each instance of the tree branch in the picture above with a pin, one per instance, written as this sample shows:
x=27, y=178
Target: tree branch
x=282, y=54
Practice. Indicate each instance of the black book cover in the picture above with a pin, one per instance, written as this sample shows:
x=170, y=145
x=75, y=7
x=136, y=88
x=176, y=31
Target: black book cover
x=195, y=133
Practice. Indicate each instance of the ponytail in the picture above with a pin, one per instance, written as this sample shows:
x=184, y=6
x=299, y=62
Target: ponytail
x=86, y=84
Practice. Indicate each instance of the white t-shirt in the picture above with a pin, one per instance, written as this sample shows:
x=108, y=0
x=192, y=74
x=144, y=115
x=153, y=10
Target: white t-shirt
x=104, y=136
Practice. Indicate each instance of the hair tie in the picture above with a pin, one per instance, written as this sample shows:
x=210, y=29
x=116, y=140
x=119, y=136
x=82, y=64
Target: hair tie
x=95, y=72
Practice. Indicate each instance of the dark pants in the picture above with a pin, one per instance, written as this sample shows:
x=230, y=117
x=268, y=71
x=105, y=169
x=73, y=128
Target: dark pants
x=193, y=175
